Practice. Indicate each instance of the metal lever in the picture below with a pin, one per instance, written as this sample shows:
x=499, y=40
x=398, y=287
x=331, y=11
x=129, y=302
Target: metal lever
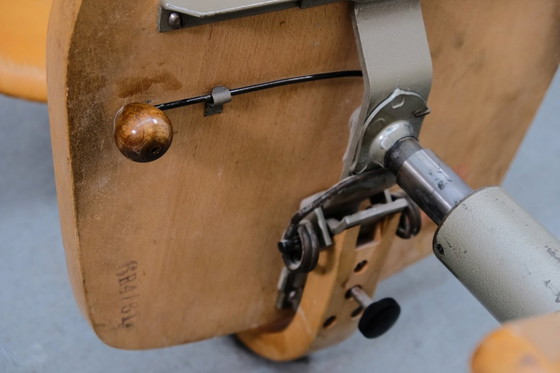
x=371, y=215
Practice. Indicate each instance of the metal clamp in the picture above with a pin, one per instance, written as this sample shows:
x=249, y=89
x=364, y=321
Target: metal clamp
x=315, y=233
x=220, y=96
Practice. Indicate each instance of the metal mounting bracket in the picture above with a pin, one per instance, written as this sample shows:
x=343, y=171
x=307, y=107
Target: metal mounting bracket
x=394, y=55
x=322, y=229
x=397, y=67
x=177, y=14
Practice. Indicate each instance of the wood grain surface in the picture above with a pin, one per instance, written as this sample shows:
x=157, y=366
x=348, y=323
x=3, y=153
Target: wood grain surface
x=184, y=248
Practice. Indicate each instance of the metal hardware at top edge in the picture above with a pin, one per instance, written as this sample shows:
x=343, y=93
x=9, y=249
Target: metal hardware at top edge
x=177, y=14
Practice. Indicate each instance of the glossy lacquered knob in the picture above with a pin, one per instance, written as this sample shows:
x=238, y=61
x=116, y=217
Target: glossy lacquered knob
x=143, y=133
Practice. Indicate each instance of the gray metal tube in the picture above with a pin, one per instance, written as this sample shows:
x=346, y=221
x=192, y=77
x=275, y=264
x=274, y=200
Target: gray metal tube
x=433, y=185
x=360, y=296
x=507, y=260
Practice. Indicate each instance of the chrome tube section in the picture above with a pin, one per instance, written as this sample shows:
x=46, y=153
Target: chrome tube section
x=433, y=185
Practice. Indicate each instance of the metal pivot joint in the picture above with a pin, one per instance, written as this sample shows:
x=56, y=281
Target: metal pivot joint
x=506, y=259
x=327, y=214
x=432, y=184
x=397, y=71
x=397, y=68
x=502, y=256
x=312, y=228
x=397, y=82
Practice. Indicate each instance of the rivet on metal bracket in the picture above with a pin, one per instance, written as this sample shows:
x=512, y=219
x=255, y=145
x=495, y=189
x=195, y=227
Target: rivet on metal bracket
x=174, y=20
x=220, y=96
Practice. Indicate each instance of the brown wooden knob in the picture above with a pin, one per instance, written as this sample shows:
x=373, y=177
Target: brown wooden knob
x=143, y=133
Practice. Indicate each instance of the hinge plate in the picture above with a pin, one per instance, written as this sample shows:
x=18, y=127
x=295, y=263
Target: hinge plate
x=177, y=14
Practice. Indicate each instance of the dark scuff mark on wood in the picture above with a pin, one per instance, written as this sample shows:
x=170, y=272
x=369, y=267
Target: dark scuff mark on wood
x=134, y=85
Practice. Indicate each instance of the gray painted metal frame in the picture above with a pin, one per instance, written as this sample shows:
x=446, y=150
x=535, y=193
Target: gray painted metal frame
x=395, y=58
x=506, y=259
x=175, y=14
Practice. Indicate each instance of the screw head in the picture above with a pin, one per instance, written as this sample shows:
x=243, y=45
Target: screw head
x=174, y=20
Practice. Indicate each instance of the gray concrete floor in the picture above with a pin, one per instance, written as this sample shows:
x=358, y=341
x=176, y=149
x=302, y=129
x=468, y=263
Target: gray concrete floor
x=42, y=331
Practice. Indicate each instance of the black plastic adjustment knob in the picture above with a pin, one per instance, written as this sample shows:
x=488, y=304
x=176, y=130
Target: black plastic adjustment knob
x=379, y=317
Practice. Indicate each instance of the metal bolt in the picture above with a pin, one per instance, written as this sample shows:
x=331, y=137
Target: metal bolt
x=174, y=20
x=285, y=246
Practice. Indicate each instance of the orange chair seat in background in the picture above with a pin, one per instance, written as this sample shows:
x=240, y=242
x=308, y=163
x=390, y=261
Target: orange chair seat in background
x=23, y=40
